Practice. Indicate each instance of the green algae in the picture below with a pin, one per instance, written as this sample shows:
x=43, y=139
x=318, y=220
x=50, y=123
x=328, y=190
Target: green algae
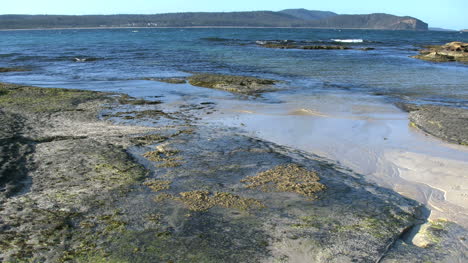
x=149, y=139
x=200, y=200
x=432, y=232
x=166, y=157
x=140, y=114
x=158, y=185
x=113, y=223
x=287, y=178
x=236, y=84
x=118, y=173
x=126, y=99
x=35, y=99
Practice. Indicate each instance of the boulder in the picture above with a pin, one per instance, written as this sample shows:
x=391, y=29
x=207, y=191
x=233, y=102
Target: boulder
x=236, y=84
x=453, y=51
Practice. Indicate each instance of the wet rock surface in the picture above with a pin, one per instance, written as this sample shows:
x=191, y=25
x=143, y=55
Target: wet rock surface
x=437, y=241
x=453, y=51
x=101, y=191
x=169, y=80
x=447, y=123
x=235, y=84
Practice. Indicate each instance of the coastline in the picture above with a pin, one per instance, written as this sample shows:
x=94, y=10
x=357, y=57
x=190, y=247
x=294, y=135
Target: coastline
x=146, y=200
x=188, y=27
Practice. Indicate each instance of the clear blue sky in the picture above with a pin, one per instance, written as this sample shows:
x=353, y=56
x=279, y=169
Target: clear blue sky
x=451, y=14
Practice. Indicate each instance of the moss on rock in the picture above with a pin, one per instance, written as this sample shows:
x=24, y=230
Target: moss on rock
x=200, y=200
x=236, y=84
x=35, y=99
x=287, y=178
x=158, y=185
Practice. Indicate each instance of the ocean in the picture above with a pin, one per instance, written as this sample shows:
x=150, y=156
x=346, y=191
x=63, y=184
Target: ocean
x=93, y=58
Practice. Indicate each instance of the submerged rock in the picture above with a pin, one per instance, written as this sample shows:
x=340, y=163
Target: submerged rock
x=236, y=84
x=3, y=70
x=294, y=46
x=447, y=123
x=169, y=80
x=453, y=51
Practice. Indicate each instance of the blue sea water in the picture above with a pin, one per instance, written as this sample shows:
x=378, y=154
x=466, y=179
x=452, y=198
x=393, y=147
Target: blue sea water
x=118, y=55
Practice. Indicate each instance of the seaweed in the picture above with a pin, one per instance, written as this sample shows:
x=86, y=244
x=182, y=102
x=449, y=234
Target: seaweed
x=287, y=178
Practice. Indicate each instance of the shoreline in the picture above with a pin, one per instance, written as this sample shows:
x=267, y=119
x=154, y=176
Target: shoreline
x=382, y=145
x=175, y=179
x=188, y=27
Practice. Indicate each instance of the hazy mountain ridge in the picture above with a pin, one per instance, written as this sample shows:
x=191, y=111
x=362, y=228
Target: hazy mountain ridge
x=308, y=14
x=285, y=18
x=372, y=21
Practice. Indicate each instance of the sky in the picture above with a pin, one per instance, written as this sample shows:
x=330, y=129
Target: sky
x=451, y=14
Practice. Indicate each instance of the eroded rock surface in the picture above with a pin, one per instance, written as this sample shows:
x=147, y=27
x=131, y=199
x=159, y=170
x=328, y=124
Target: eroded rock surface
x=447, y=123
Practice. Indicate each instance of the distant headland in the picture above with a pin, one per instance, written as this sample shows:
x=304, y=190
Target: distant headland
x=294, y=18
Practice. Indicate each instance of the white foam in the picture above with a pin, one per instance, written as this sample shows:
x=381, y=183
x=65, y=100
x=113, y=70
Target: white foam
x=348, y=40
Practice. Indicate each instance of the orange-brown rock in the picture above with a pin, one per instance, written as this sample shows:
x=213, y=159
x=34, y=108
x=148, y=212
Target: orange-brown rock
x=453, y=51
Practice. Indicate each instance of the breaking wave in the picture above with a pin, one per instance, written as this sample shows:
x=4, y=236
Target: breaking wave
x=348, y=40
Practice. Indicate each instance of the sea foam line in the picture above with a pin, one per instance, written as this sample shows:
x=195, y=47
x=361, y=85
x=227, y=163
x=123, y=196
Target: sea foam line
x=348, y=40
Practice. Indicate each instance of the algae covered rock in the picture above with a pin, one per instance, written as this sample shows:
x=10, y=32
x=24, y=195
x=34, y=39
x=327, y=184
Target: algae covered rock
x=447, y=123
x=169, y=80
x=287, y=178
x=453, y=51
x=199, y=195
x=436, y=241
x=236, y=84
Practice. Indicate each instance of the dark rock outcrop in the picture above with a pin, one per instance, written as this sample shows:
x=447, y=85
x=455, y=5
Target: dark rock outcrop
x=447, y=123
x=236, y=84
x=453, y=51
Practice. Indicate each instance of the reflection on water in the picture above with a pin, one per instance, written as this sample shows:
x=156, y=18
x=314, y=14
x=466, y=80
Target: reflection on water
x=371, y=137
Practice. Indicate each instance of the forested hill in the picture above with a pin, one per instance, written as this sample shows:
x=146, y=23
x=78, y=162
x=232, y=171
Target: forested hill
x=285, y=18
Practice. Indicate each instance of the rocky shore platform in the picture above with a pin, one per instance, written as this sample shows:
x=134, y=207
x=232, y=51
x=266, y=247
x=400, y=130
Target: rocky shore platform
x=453, y=51
x=97, y=177
x=447, y=123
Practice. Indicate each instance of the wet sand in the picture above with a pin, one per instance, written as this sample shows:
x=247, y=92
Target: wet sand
x=368, y=135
